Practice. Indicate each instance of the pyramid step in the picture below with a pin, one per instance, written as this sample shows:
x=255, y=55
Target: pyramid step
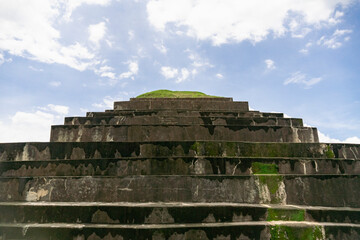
x=183, y=113
x=106, y=133
x=91, y=150
x=285, y=189
x=197, y=104
x=205, y=231
x=178, y=166
x=172, y=120
x=168, y=213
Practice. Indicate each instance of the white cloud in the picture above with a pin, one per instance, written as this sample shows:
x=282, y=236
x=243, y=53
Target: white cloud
x=25, y=126
x=309, y=44
x=297, y=29
x=180, y=74
x=336, y=39
x=301, y=33
x=197, y=65
x=339, y=14
x=327, y=139
x=184, y=74
x=305, y=50
x=352, y=140
x=97, y=33
x=337, y=17
x=219, y=76
x=169, y=72
x=301, y=78
x=32, y=126
x=27, y=29
x=3, y=59
x=36, y=118
x=235, y=21
x=270, y=64
x=36, y=69
x=59, y=109
x=198, y=61
x=161, y=47
x=133, y=70
x=131, y=35
x=106, y=71
x=55, y=83
x=107, y=102
x=71, y=5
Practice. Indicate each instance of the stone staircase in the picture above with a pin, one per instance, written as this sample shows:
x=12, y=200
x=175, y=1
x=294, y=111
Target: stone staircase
x=204, y=168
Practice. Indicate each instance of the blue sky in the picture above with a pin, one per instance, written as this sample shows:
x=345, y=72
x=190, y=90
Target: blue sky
x=66, y=57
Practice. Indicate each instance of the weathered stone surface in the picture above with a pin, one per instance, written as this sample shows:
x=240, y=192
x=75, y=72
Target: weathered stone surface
x=282, y=189
x=184, y=113
x=109, y=133
x=89, y=150
x=160, y=213
x=199, y=165
x=184, y=103
x=184, y=120
x=127, y=232
x=205, y=168
x=256, y=230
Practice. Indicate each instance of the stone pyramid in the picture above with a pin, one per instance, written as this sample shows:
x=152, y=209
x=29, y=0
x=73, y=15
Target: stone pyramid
x=180, y=168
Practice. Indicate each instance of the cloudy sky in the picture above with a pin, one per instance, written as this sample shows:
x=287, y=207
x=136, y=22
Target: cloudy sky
x=66, y=57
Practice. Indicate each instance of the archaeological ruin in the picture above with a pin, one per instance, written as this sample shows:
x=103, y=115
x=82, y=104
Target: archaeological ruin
x=183, y=166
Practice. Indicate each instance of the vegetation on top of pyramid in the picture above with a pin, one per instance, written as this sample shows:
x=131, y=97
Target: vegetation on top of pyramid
x=174, y=94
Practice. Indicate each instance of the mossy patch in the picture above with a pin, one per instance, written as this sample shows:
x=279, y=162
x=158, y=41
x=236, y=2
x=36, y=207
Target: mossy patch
x=197, y=147
x=212, y=148
x=285, y=215
x=230, y=149
x=174, y=94
x=329, y=152
x=272, y=182
x=264, y=168
x=292, y=233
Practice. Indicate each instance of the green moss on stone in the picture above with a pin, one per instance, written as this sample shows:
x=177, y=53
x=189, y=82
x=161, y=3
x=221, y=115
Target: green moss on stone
x=196, y=147
x=318, y=233
x=230, y=149
x=212, y=148
x=285, y=215
x=329, y=152
x=292, y=233
x=174, y=94
x=272, y=182
x=263, y=168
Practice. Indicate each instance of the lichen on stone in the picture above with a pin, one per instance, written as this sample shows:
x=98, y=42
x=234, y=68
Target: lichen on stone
x=292, y=233
x=285, y=214
x=264, y=168
x=329, y=152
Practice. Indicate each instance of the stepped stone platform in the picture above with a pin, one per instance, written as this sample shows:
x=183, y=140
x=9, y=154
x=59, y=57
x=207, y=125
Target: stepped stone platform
x=180, y=168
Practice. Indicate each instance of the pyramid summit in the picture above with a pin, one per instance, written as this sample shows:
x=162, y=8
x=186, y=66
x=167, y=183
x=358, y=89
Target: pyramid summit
x=180, y=165
x=174, y=94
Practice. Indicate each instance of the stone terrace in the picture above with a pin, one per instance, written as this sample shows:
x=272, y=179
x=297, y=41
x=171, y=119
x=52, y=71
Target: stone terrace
x=180, y=168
